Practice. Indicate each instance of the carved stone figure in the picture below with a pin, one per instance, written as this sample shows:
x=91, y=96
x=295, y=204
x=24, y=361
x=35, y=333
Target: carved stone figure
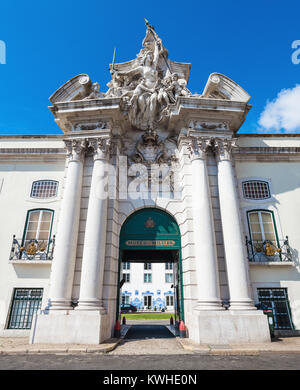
x=147, y=84
x=95, y=94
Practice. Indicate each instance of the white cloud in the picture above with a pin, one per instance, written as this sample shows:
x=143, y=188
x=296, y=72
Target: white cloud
x=283, y=113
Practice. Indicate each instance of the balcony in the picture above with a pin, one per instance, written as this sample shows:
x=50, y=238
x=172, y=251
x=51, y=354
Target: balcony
x=269, y=252
x=32, y=251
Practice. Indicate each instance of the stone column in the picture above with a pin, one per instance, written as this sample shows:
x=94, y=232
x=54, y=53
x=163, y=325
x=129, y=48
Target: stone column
x=92, y=271
x=62, y=271
x=205, y=246
x=235, y=251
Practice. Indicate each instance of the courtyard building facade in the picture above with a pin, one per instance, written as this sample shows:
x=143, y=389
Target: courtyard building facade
x=151, y=185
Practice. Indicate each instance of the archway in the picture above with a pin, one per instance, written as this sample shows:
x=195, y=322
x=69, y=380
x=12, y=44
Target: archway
x=151, y=235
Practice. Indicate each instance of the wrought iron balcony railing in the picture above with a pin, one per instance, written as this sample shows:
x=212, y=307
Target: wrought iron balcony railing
x=266, y=251
x=32, y=249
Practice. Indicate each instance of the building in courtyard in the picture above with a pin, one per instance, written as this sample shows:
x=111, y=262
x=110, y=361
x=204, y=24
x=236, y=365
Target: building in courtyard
x=149, y=173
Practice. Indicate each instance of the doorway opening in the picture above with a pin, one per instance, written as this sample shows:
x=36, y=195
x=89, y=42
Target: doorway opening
x=150, y=269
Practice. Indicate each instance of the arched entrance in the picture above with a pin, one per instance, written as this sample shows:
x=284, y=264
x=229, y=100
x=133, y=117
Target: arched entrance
x=152, y=235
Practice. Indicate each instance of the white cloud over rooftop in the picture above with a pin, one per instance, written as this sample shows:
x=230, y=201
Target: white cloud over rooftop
x=283, y=113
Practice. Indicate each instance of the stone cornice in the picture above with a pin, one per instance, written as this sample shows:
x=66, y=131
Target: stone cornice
x=269, y=153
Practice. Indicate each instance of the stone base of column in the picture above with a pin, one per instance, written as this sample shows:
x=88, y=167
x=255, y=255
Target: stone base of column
x=242, y=305
x=209, y=305
x=73, y=327
x=59, y=304
x=228, y=327
x=91, y=304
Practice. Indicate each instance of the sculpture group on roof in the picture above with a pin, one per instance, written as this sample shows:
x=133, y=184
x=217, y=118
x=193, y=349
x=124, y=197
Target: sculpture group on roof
x=147, y=86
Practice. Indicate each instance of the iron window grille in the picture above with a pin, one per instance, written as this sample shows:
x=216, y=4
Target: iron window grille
x=277, y=300
x=256, y=189
x=25, y=303
x=44, y=189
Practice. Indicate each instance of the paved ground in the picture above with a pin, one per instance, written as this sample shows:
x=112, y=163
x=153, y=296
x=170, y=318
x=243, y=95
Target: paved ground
x=143, y=339
x=149, y=340
x=261, y=361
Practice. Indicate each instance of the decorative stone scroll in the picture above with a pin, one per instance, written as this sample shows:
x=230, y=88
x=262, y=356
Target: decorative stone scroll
x=75, y=149
x=198, y=147
x=101, y=147
x=224, y=147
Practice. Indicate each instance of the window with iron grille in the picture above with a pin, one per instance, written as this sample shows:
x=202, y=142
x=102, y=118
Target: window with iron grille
x=25, y=302
x=256, y=189
x=277, y=300
x=44, y=189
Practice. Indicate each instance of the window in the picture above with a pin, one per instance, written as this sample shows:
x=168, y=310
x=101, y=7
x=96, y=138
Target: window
x=256, y=189
x=168, y=266
x=277, y=300
x=147, y=266
x=125, y=299
x=126, y=277
x=126, y=266
x=25, y=303
x=44, y=189
x=262, y=227
x=38, y=226
x=147, y=278
x=169, y=278
x=148, y=301
x=169, y=300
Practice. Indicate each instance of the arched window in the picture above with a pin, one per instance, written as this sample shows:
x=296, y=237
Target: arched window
x=256, y=189
x=38, y=225
x=44, y=189
x=262, y=226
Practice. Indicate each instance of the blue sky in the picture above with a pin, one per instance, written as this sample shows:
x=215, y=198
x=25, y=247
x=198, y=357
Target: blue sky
x=48, y=42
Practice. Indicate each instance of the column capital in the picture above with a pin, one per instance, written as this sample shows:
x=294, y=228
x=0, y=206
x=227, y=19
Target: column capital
x=223, y=148
x=101, y=147
x=198, y=147
x=75, y=149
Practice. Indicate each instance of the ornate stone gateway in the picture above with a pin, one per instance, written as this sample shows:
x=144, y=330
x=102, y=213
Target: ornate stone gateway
x=148, y=141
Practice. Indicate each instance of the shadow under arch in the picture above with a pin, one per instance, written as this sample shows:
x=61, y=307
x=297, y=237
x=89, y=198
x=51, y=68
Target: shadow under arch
x=152, y=235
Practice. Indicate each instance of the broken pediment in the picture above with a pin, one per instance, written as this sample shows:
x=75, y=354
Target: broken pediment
x=219, y=86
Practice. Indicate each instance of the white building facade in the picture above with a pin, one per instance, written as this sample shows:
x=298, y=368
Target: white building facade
x=149, y=173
